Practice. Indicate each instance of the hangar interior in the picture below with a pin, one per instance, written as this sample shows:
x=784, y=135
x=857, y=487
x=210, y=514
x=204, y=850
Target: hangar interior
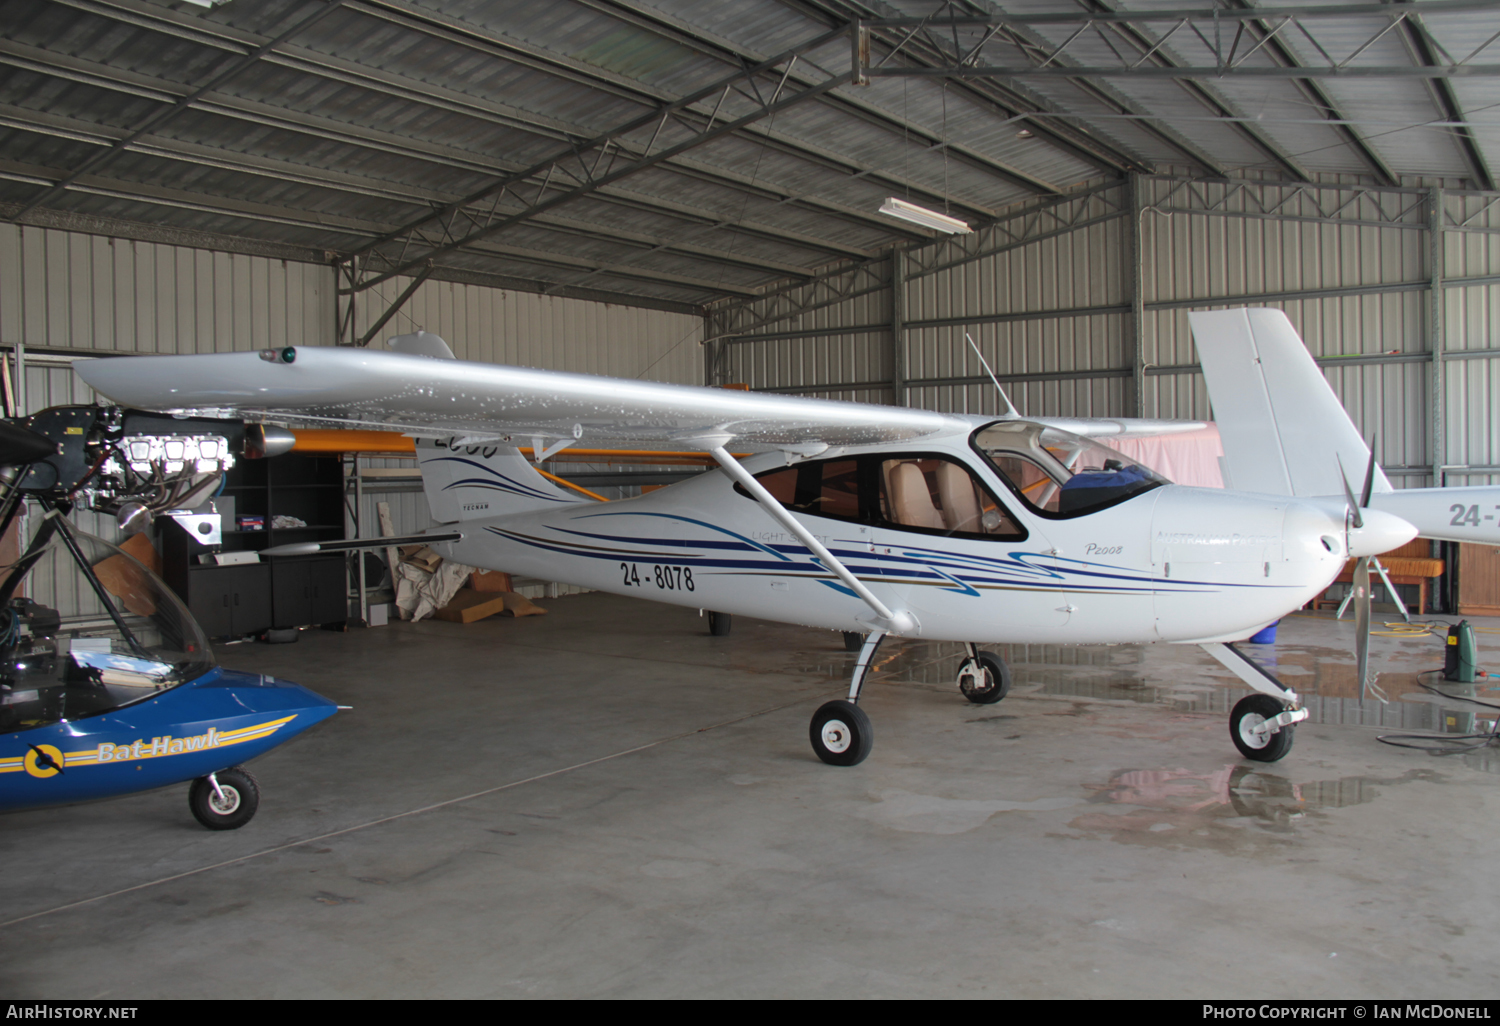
x=690, y=192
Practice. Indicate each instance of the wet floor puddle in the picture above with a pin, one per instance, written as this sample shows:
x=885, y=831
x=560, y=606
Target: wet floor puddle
x=1226, y=809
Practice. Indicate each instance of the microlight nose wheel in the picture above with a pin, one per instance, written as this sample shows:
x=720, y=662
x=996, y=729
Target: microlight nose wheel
x=1247, y=726
x=984, y=680
x=841, y=733
x=229, y=807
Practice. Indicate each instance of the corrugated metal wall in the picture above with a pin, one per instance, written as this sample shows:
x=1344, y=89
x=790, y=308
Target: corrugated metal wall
x=1351, y=266
x=69, y=291
x=66, y=290
x=530, y=330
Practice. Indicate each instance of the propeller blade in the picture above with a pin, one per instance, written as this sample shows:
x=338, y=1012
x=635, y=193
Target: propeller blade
x=1364, y=495
x=1362, y=596
x=1354, y=507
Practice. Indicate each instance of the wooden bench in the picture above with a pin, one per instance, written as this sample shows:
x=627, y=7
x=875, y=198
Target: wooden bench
x=1410, y=564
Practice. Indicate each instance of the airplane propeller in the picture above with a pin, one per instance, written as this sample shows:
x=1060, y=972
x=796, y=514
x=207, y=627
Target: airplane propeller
x=1363, y=593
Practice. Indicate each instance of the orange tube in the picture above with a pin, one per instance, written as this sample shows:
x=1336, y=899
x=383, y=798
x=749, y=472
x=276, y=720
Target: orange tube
x=330, y=440
x=570, y=484
x=327, y=440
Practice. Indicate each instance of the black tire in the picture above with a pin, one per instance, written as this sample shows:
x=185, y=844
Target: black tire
x=853, y=641
x=241, y=794
x=996, y=685
x=841, y=733
x=719, y=624
x=1249, y=712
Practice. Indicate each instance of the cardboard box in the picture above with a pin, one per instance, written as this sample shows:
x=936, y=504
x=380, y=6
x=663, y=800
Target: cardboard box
x=421, y=556
x=490, y=580
x=469, y=605
x=520, y=605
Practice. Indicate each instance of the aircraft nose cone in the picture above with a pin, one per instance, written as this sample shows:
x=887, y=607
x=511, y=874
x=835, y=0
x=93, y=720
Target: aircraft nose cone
x=1381, y=532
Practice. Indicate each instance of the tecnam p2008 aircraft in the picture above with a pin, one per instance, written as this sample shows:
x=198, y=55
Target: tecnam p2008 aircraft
x=860, y=518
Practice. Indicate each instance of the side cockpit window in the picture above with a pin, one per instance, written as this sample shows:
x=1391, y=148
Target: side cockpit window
x=936, y=494
x=922, y=492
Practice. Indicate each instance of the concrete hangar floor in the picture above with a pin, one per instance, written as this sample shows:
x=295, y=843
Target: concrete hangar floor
x=607, y=801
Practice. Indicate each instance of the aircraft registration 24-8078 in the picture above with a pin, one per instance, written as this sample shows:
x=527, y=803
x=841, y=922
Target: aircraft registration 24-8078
x=860, y=518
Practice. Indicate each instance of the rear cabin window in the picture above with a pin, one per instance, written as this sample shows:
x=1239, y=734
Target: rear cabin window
x=922, y=492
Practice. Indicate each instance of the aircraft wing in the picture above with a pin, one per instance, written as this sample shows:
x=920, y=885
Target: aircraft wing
x=438, y=398
x=1105, y=428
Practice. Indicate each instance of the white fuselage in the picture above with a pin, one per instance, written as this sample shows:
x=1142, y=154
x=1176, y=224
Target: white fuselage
x=1172, y=564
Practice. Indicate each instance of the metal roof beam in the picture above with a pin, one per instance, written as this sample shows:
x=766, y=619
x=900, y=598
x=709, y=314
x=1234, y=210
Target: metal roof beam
x=852, y=106
x=1188, y=73
x=1154, y=50
x=1099, y=91
x=172, y=149
x=1333, y=10
x=162, y=115
x=1029, y=110
x=1014, y=102
x=1424, y=49
x=1320, y=98
x=177, y=199
x=459, y=32
x=580, y=171
x=103, y=76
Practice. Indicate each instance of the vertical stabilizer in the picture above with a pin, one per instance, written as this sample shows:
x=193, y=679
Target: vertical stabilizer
x=468, y=482
x=1284, y=430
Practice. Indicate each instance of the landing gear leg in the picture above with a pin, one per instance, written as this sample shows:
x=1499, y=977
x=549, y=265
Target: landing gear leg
x=840, y=731
x=1260, y=725
x=983, y=678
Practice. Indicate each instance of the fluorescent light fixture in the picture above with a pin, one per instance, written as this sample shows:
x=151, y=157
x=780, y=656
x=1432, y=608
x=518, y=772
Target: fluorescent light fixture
x=893, y=207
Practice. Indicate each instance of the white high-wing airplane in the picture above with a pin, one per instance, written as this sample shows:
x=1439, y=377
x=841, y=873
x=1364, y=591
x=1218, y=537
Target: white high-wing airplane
x=862, y=518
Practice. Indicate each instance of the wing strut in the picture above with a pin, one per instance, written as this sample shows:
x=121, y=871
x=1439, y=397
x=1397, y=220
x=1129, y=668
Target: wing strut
x=886, y=621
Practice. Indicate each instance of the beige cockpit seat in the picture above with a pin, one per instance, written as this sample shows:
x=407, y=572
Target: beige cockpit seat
x=911, y=500
x=960, y=503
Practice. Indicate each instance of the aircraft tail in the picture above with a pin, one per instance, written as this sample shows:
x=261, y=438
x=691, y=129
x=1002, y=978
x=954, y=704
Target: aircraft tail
x=467, y=482
x=1284, y=430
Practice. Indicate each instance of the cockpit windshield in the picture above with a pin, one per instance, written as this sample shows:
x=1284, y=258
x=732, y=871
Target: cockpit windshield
x=131, y=641
x=1058, y=474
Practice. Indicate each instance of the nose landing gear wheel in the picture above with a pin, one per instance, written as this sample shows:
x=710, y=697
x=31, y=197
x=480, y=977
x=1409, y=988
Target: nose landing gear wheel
x=984, y=680
x=231, y=806
x=1247, y=729
x=719, y=624
x=853, y=641
x=841, y=733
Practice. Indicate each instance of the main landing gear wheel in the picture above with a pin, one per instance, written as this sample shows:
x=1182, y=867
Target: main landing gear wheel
x=1251, y=737
x=853, y=641
x=841, y=733
x=231, y=806
x=719, y=624
x=984, y=680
